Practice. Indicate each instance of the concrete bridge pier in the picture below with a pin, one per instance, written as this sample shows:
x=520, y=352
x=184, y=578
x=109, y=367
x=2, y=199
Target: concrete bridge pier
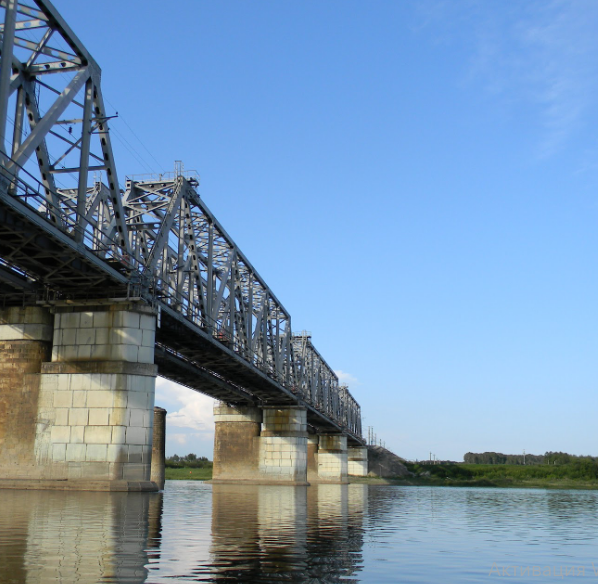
x=260, y=445
x=327, y=458
x=332, y=458
x=358, y=461
x=283, y=445
x=25, y=343
x=91, y=418
x=313, y=441
x=158, y=465
x=236, y=443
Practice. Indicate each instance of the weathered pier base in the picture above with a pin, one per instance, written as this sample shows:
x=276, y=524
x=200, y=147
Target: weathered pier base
x=358, y=461
x=158, y=465
x=283, y=445
x=327, y=459
x=332, y=458
x=236, y=443
x=312, y=458
x=271, y=445
x=85, y=419
x=25, y=343
x=256, y=445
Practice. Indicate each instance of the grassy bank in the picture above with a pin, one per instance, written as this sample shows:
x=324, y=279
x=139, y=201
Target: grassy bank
x=568, y=476
x=577, y=475
x=188, y=474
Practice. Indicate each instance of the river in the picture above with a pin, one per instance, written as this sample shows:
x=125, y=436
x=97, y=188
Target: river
x=323, y=533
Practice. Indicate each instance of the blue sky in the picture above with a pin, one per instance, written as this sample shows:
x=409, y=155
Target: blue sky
x=415, y=180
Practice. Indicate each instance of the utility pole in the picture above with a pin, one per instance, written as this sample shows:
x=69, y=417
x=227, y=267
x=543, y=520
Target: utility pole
x=371, y=436
x=524, y=456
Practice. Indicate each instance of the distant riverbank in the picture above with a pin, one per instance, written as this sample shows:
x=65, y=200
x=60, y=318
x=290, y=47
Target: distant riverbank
x=568, y=476
x=577, y=475
x=188, y=474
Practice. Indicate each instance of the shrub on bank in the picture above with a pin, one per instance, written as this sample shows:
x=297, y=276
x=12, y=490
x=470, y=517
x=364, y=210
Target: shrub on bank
x=189, y=461
x=579, y=469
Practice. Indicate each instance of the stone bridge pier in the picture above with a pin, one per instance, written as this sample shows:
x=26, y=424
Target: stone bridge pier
x=77, y=396
x=271, y=445
x=77, y=384
x=260, y=445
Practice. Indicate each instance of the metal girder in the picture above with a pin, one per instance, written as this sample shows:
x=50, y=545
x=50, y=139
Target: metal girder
x=319, y=385
x=223, y=330
x=194, y=266
x=175, y=367
x=59, y=124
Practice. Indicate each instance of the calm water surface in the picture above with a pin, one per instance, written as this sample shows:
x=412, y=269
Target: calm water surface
x=327, y=533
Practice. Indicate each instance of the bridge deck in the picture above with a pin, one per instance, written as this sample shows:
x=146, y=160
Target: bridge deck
x=184, y=352
x=223, y=330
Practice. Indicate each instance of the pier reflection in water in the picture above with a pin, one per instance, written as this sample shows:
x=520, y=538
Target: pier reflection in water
x=192, y=532
x=49, y=536
x=322, y=533
x=263, y=533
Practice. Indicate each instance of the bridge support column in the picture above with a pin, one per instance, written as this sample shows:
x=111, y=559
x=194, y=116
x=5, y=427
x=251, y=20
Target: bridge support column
x=332, y=458
x=236, y=443
x=158, y=468
x=312, y=458
x=92, y=427
x=255, y=445
x=25, y=343
x=358, y=461
x=283, y=445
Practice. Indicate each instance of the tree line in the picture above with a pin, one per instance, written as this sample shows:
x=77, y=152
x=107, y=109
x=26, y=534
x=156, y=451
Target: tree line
x=553, y=458
x=188, y=461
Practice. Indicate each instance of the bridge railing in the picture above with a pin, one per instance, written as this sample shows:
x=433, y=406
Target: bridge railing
x=195, y=267
x=237, y=309
x=160, y=233
x=319, y=385
x=58, y=213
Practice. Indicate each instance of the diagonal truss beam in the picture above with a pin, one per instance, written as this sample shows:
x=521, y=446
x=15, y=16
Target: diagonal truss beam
x=157, y=235
x=67, y=130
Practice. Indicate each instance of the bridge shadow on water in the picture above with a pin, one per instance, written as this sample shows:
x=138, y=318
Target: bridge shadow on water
x=191, y=532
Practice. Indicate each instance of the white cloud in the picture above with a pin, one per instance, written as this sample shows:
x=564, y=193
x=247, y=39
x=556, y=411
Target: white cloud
x=189, y=421
x=561, y=65
x=186, y=408
x=346, y=378
x=181, y=439
x=538, y=53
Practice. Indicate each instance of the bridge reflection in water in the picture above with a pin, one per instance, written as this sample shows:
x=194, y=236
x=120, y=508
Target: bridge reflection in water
x=299, y=533
x=75, y=537
x=258, y=533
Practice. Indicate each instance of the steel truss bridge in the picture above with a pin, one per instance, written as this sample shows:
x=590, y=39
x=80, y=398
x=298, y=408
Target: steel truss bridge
x=68, y=232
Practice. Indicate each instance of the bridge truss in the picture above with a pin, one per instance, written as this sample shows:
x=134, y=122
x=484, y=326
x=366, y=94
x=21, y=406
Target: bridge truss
x=68, y=232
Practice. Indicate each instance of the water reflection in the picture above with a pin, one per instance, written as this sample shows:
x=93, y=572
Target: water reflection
x=336, y=534
x=273, y=533
x=322, y=533
x=154, y=537
x=258, y=534
x=74, y=537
